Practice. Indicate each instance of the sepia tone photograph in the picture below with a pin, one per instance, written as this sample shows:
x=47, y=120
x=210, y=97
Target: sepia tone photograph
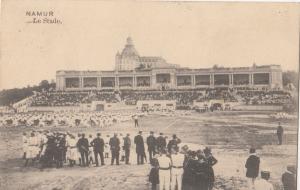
x=149, y=95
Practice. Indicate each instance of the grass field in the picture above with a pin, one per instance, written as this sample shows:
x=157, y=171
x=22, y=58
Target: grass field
x=229, y=134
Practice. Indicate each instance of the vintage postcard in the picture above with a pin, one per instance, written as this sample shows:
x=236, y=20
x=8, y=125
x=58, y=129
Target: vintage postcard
x=140, y=95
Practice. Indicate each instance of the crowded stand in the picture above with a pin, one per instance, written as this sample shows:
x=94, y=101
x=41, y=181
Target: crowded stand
x=265, y=98
x=182, y=97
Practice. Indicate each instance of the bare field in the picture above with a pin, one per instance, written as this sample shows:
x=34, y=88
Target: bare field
x=229, y=134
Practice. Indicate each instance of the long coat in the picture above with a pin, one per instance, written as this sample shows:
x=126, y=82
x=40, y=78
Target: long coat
x=289, y=181
x=201, y=175
x=151, y=142
x=161, y=142
x=114, y=143
x=252, y=165
x=98, y=144
x=139, y=141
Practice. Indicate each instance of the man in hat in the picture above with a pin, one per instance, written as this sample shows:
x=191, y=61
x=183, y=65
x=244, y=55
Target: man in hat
x=173, y=143
x=127, y=145
x=164, y=170
x=151, y=142
x=252, y=165
x=83, y=147
x=114, y=143
x=140, y=149
x=98, y=147
x=263, y=183
x=289, y=179
x=279, y=134
x=161, y=142
x=177, y=159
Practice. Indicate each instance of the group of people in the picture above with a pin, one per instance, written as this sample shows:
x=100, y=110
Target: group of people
x=289, y=181
x=184, y=169
x=73, y=119
x=171, y=168
x=57, y=148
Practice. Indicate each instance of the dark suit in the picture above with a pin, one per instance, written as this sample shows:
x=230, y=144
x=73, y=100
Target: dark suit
x=114, y=143
x=252, y=166
x=173, y=144
x=279, y=134
x=289, y=181
x=161, y=143
x=151, y=142
x=127, y=144
x=98, y=145
x=140, y=149
x=83, y=147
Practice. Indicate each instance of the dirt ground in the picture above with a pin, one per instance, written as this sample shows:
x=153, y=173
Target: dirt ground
x=229, y=134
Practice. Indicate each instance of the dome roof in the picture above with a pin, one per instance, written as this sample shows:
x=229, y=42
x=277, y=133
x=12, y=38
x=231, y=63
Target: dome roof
x=129, y=49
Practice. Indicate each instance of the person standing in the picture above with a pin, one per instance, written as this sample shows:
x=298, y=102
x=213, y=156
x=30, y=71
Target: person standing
x=263, y=183
x=98, y=147
x=151, y=142
x=165, y=164
x=71, y=150
x=177, y=169
x=161, y=142
x=136, y=120
x=25, y=145
x=201, y=172
x=154, y=174
x=173, y=143
x=211, y=160
x=83, y=147
x=33, y=149
x=279, y=133
x=289, y=179
x=140, y=149
x=252, y=165
x=114, y=143
x=127, y=145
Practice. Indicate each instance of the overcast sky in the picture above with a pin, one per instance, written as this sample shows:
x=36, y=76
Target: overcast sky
x=196, y=35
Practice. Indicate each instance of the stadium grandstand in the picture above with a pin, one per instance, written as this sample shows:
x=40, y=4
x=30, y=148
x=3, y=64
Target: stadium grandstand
x=137, y=78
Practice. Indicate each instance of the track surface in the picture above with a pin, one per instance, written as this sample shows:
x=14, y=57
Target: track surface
x=229, y=134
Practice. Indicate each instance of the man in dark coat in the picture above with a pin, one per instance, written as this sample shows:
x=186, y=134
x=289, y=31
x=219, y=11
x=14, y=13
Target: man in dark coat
x=279, y=133
x=211, y=160
x=252, y=165
x=289, y=179
x=161, y=142
x=173, y=144
x=151, y=142
x=83, y=147
x=114, y=143
x=201, y=172
x=61, y=147
x=140, y=149
x=98, y=146
x=127, y=145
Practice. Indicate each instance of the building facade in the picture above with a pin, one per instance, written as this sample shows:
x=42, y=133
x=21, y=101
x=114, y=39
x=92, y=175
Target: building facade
x=140, y=72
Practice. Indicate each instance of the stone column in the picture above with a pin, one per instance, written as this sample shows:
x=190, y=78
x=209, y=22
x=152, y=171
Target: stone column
x=81, y=83
x=134, y=82
x=98, y=82
x=212, y=80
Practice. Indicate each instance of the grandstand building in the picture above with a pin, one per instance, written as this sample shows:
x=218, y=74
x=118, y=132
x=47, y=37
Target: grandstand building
x=140, y=72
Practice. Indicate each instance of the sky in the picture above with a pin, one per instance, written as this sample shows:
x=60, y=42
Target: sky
x=194, y=34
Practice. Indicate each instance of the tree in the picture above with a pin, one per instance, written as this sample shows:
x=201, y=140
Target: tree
x=290, y=77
